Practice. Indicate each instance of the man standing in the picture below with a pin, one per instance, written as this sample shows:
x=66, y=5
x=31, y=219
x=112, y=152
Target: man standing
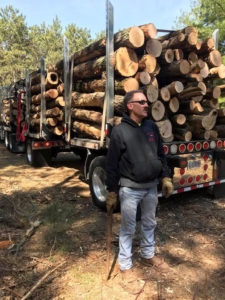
x=135, y=163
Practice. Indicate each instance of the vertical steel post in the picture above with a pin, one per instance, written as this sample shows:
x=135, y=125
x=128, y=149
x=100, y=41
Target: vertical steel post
x=28, y=100
x=43, y=102
x=109, y=93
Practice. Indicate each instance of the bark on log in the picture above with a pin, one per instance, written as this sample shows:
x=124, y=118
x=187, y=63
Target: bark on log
x=87, y=129
x=214, y=58
x=204, y=121
x=49, y=121
x=157, y=110
x=191, y=107
x=50, y=79
x=49, y=95
x=206, y=46
x=179, y=119
x=149, y=30
x=201, y=134
x=185, y=30
x=96, y=100
x=218, y=72
x=210, y=103
x=221, y=130
x=178, y=54
x=153, y=47
x=175, y=87
x=221, y=112
x=166, y=57
x=165, y=128
x=213, y=93
x=124, y=59
x=87, y=115
x=176, y=68
x=182, y=134
x=98, y=85
x=60, y=88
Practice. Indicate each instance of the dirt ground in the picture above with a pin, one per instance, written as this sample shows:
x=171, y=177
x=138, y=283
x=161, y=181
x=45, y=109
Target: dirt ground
x=50, y=231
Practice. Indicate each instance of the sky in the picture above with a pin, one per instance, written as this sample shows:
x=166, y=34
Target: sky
x=91, y=14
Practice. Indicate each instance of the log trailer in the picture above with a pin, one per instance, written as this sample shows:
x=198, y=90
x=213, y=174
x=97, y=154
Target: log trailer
x=193, y=164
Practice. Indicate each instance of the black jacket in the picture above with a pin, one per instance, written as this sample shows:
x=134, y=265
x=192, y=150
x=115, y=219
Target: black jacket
x=135, y=152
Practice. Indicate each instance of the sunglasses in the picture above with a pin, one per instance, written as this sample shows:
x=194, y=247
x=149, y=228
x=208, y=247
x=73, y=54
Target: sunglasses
x=142, y=102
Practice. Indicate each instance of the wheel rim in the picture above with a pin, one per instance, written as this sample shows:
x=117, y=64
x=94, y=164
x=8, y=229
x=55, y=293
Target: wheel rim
x=98, y=181
x=29, y=153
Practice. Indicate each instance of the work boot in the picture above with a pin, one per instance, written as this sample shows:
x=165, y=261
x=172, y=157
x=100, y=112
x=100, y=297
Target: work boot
x=128, y=275
x=130, y=282
x=156, y=262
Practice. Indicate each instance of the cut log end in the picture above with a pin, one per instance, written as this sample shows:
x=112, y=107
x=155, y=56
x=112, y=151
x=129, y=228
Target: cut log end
x=136, y=37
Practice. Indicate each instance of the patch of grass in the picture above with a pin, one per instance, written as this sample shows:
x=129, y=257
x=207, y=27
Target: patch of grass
x=57, y=219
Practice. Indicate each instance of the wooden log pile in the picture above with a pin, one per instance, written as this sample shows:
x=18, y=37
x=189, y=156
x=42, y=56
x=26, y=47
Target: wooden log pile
x=54, y=103
x=176, y=71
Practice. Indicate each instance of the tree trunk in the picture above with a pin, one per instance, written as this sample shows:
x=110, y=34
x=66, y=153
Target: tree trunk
x=98, y=85
x=211, y=103
x=185, y=30
x=87, y=129
x=178, y=54
x=191, y=107
x=166, y=57
x=87, y=115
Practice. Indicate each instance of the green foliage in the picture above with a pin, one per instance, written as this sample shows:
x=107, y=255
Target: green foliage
x=22, y=47
x=207, y=16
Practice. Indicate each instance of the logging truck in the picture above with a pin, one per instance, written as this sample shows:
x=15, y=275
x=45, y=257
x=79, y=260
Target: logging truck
x=73, y=105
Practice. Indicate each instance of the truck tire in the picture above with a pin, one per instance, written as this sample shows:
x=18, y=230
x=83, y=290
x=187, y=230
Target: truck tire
x=7, y=140
x=36, y=158
x=97, y=177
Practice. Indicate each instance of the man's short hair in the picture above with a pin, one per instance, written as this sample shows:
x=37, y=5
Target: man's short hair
x=129, y=96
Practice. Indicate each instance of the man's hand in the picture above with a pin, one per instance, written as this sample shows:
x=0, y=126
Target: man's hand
x=111, y=201
x=167, y=187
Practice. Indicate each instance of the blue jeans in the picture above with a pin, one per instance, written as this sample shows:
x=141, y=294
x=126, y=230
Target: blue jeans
x=129, y=200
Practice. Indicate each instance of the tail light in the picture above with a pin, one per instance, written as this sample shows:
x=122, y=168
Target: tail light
x=35, y=144
x=219, y=144
x=47, y=144
x=205, y=176
x=182, y=181
x=205, y=157
x=190, y=147
x=198, y=146
x=166, y=149
x=205, y=145
x=198, y=177
x=190, y=179
x=205, y=167
x=182, y=171
x=182, y=148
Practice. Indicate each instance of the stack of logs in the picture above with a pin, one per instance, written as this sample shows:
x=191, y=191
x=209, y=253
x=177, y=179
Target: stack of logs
x=5, y=113
x=9, y=115
x=176, y=72
x=54, y=103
